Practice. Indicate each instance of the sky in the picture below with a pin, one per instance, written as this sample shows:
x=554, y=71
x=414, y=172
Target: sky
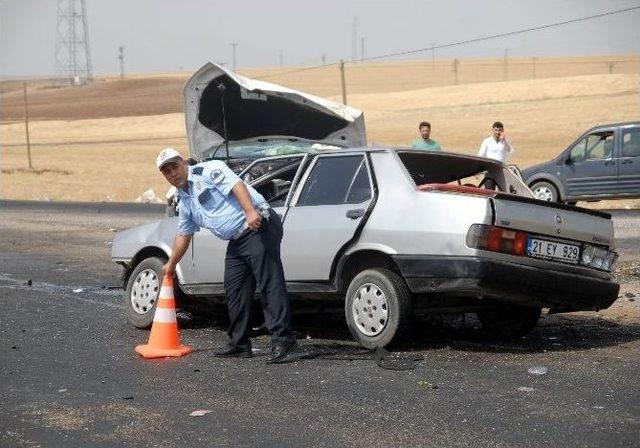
x=171, y=35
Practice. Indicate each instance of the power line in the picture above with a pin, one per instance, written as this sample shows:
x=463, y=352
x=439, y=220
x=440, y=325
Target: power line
x=509, y=33
x=464, y=42
x=298, y=70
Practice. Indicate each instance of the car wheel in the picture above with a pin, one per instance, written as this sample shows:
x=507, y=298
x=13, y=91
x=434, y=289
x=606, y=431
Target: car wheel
x=509, y=322
x=143, y=288
x=378, y=308
x=545, y=191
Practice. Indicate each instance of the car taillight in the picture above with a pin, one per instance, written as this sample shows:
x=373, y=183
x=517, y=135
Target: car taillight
x=497, y=239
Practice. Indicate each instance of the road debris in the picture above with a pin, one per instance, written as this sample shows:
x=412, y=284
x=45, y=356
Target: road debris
x=78, y=290
x=200, y=413
x=424, y=384
x=538, y=370
x=525, y=389
x=148, y=197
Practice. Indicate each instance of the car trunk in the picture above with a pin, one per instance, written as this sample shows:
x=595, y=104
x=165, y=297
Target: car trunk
x=551, y=219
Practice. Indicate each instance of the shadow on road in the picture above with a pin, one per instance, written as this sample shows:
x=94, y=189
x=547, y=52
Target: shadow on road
x=554, y=333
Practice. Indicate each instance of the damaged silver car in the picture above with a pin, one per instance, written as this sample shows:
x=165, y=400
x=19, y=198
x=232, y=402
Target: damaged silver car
x=387, y=233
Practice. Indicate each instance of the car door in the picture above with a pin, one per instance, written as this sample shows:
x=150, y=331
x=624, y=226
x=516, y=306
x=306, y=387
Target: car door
x=592, y=167
x=326, y=211
x=630, y=161
x=272, y=177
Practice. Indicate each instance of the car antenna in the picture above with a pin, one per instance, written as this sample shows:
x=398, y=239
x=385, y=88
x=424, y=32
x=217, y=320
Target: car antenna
x=221, y=87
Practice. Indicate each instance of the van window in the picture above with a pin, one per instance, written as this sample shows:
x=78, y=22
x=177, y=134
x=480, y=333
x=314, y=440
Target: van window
x=631, y=143
x=593, y=147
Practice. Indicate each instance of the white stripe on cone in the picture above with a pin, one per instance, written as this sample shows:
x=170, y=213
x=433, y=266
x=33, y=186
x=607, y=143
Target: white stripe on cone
x=166, y=292
x=165, y=316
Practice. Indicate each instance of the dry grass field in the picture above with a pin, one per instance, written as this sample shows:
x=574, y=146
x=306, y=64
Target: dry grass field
x=98, y=142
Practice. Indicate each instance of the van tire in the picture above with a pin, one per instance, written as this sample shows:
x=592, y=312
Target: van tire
x=545, y=191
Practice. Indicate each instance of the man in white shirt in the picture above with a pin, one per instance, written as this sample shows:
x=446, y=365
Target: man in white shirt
x=497, y=146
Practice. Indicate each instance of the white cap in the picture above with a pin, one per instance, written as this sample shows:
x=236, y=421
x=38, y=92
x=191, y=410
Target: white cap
x=167, y=155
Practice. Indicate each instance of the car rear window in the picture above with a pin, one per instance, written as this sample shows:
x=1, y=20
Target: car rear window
x=433, y=171
x=435, y=168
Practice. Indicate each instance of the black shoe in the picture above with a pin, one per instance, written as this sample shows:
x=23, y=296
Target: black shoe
x=288, y=352
x=232, y=351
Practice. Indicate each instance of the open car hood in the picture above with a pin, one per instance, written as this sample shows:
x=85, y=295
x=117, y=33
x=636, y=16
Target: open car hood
x=257, y=110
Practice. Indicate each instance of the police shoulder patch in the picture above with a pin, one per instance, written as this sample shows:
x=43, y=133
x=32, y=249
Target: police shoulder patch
x=197, y=170
x=217, y=176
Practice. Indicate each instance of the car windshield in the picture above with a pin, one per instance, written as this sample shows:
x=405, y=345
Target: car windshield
x=266, y=148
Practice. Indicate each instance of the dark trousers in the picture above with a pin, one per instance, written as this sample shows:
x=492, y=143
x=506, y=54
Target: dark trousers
x=254, y=260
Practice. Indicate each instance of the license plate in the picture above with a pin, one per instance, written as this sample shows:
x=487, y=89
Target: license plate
x=551, y=250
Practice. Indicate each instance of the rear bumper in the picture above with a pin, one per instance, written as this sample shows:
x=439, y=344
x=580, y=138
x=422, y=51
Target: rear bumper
x=507, y=282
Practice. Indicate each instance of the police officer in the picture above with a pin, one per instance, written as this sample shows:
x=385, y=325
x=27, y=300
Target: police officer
x=212, y=196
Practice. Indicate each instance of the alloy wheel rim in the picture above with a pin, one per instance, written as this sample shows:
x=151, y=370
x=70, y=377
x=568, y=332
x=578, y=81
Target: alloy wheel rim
x=144, y=292
x=370, y=310
x=543, y=193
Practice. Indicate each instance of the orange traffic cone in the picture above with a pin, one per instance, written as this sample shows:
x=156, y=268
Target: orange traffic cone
x=164, y=340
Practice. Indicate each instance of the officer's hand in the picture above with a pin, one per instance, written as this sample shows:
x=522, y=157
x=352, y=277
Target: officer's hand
x=253, y=219
x=168, y=269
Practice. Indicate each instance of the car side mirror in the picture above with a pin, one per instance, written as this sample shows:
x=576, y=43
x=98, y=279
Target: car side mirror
x=568, y=160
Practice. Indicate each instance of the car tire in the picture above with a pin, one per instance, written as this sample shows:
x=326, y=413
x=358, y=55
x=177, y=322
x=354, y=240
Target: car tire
x=142, y=290
x=378, y=308
x=509, y=321
x=545, y=191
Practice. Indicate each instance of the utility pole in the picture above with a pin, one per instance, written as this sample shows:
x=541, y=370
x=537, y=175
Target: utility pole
x=121, y=57
x=533, y=60
x=26, y=124
x=324, y=58
x=342, y=82
x=433, y=56
x=234, y=45
x=456, y=63
x=362, y=49
x=506, y=64
x=354, y=39
x=281, y=58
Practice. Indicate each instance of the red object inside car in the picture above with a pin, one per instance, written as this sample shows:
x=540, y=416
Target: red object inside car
x=454, y=188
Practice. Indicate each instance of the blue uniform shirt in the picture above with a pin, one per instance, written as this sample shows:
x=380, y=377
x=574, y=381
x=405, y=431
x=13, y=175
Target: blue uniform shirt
x=208, y=202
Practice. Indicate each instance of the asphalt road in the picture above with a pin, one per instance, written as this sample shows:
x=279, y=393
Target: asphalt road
x=69, y=376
